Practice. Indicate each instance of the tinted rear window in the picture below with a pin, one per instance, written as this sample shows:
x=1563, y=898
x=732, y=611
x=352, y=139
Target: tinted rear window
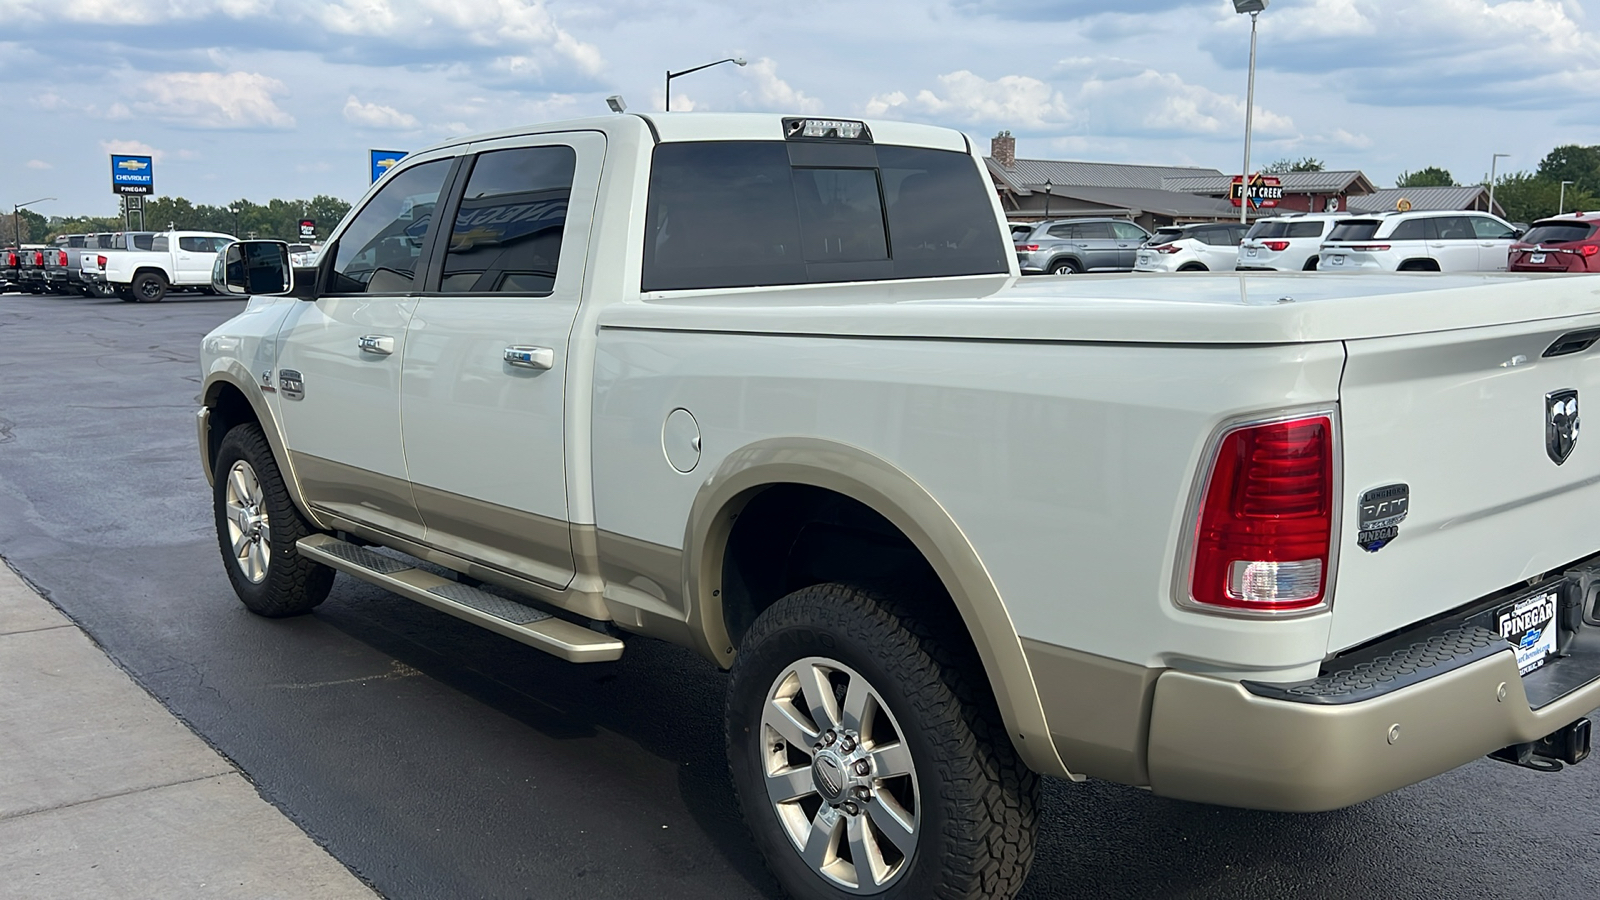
x=1557, y=232
x=1358, y=230
x=751, y=213
x=1164, y=236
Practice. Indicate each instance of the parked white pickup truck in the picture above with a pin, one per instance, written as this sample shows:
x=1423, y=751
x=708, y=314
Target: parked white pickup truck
x=175, y=260
x=772, y=389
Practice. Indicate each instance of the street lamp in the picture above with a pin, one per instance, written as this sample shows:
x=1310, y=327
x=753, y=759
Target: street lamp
x=16, y=216
x=736, y=60
x=1492, y=160
x=234, y=208
x=1561, y=205
x=1048, y=188
x=1254, y=8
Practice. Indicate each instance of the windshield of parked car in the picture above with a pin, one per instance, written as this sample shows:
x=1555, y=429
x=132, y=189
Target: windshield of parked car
x=754, y=213
x=1354, y=230
x=1557, y=232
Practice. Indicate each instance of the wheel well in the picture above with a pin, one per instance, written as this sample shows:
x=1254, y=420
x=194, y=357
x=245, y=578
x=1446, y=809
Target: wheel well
x=1193, y=267
x=791, y=536
x=1419, y=265
x=148, y=270
x=1311, y=264
x=1065, y=259
x=229, y=408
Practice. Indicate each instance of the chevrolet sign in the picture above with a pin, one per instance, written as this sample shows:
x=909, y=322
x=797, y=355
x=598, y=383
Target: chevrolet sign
x=132, y=175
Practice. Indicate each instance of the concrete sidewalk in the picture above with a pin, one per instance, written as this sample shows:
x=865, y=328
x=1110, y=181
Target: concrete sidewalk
x=104, y=794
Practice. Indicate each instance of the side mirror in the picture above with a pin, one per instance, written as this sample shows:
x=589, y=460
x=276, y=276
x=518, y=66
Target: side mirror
x=246, y=268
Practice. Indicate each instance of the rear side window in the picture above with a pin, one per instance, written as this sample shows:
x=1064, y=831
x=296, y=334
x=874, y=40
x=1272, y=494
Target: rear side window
x=1454, y=228
x=1305, y=229
x=157, y=244
x=507, y=234
x=1064, y=231
x=1265, y=230
x=1354, y=230
x=1415, y=230
x=743, y=214
x=202, y=244
x=148, y=242
x=1557, y=232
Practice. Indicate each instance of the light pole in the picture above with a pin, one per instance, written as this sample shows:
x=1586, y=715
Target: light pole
x=1561, y=205
x=736, y=60
x=1492, y=161
x=234, y=208
x=16, y=216
x=1048, y=189
x=1254, y=8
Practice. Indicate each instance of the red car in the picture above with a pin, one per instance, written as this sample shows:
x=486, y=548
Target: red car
x=1569, y=243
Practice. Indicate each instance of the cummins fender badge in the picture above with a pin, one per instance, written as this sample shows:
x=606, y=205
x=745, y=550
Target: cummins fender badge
x=1560, y=424
x=1382, y=511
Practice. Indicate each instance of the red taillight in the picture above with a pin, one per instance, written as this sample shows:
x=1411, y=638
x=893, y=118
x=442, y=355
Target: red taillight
x=1266, y=520
x=38, y=258
x=1370, y=248
x=1026, y=248
x=1168, y=248
x=1589, y=249
x=11, y=260
x=1277, y=246
x=61, y=258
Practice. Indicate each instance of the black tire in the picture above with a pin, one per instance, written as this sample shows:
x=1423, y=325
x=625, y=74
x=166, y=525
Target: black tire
x=1194, y=267
x=1065, y=267
x=149, y=287
x=977, y=801
x=292, y=584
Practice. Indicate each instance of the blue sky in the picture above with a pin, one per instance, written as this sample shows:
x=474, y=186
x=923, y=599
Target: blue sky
x=282, y=98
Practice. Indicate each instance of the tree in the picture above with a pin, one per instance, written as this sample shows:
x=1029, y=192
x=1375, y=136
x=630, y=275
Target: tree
x=277, y=219
x=35, y=228
x=1304, y=164
x=1570, y=162
x=1526, y=197
x=1432, y=176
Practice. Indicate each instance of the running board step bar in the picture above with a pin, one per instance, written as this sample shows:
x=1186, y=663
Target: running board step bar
x=520, y=622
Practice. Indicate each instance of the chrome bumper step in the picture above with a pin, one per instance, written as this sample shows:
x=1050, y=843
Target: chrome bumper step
x=520, y=622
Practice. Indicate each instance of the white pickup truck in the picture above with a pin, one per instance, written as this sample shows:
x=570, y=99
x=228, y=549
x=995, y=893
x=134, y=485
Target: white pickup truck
x=176, y=260
x=772, y=389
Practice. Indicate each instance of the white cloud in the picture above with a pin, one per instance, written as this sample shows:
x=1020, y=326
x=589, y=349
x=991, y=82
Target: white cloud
x=1011, y=100
x=233, y=100
x=39, y=164
x=771, y=93
x=132, y=148
x=372, y=115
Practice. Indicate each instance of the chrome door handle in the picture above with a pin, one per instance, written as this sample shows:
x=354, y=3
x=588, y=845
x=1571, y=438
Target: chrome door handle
x=378, y=344
x=530, y=357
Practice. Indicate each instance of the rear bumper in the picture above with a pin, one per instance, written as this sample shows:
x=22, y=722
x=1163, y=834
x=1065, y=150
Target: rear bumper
x=1213, y=741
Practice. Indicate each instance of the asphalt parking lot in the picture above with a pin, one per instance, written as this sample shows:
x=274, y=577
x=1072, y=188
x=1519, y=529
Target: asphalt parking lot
x=438, y=760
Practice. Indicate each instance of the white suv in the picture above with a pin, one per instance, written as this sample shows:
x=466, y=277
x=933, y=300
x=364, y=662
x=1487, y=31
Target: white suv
x=1286, y=243
x=1191, y=248
x=1439, y=241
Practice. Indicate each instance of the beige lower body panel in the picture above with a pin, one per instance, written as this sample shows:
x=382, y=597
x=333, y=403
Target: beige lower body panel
x=1212, y=741
x=1098, y=710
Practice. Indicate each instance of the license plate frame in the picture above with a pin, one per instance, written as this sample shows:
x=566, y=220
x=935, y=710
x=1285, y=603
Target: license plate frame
x=1529, y=624
x=1337, y=260
x=1536, y=258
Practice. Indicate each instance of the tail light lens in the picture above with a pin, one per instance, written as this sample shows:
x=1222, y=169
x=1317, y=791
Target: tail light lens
x=1026, y=248
x=61, y=258
x=1277, y=246
x=1168, y=248
x=1589, y=249
x=38, y=257
x=100, y=261
x=1265, y=530
x=1370, y=248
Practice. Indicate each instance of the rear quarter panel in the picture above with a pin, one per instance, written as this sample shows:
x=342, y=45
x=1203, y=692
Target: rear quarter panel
x=1067, y=466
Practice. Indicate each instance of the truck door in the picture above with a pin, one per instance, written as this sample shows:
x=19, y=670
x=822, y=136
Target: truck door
x=338, y=378
x=484, y=395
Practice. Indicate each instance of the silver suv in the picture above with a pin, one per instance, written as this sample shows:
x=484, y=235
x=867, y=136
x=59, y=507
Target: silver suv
x=1073, y=246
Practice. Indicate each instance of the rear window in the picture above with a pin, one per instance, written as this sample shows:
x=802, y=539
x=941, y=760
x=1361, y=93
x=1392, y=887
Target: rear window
x=1268, y=230
x=754, y=213
x=1163, y=236
x=1557, y=232
x=1354, y=230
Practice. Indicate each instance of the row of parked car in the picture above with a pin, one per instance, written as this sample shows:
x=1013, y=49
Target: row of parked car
x=1415, y=241
x=138, y=266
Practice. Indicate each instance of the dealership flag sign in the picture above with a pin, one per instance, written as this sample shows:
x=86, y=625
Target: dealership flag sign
x=132, y=175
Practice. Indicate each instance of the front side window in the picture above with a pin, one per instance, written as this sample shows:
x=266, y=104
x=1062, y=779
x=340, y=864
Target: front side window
x=380, y=250
x=1488, y=229
x=740, y=214
x=507, y=233
x=1127, y=231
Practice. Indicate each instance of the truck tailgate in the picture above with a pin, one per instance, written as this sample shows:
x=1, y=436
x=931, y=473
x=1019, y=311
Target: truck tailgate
x=1462, y=418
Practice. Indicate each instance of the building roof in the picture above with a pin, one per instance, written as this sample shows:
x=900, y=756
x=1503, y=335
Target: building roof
x=1030, y=174
x=1136, y=202
x=1336, y=182
x=1424, y=198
